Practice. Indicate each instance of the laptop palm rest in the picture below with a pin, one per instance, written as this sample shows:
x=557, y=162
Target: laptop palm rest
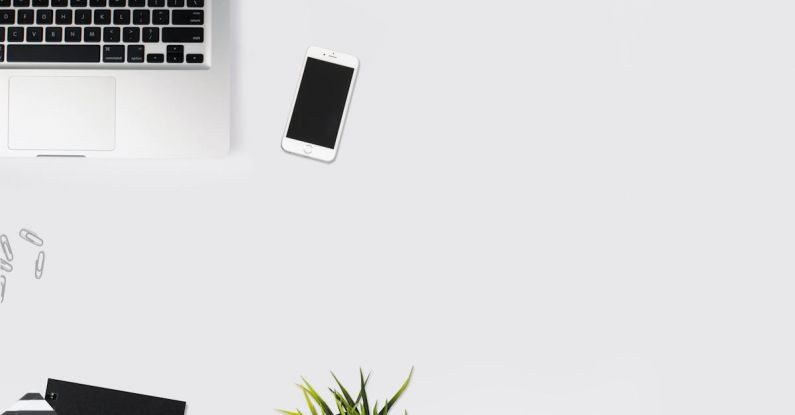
x=62, y=113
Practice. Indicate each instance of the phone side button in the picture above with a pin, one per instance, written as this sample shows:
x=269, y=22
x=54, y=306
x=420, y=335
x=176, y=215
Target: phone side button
x=308, y=149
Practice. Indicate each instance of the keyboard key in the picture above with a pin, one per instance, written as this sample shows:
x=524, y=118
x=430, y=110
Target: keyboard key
x=176, y=3
x=157, y=3
x=151, y=35
x=53, y=53
x=160, y=17
x=101, y=17
x=175, y=58
x=25, y=16
x=78, y=3
x=141, y=17
x=137, y=3
x=131, y=34
x=35, y=34
x=195, y=3
x=41, y=3
x=73, y=34
x=92, y=35
x=7, y=16
x=183, y=35
x=155, y=58
x=53, y=35
x=112, y=35
x=83, y=16
x=113, y=54
x=5, y=3
x=16, y=34
x=187, y=17
x=2, y=34
x=175, y=54
x=135, y=54
x=60, y=3
x=44, y=17
x=21, y=3
x=2, y=53
x=63, y=16
x=98, y=3
x=117, y=3
x=121, y=17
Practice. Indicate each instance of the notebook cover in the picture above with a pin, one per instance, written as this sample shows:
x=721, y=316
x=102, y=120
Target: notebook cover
x=74, y=399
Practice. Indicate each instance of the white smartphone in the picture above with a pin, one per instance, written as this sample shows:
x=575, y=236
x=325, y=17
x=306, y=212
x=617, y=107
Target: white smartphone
x=321, y=104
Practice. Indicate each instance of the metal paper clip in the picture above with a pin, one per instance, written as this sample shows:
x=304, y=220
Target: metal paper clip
x=31, y=237
x=40, y=265
x=2, y=288
x=6, y=246
x=5, y=265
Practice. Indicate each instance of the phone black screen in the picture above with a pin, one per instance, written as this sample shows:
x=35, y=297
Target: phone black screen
x=320, y=104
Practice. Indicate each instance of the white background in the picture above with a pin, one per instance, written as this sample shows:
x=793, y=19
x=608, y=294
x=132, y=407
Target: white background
x=548, y=207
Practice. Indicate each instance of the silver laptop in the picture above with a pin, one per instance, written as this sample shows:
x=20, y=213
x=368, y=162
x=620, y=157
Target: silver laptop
x=114, y=78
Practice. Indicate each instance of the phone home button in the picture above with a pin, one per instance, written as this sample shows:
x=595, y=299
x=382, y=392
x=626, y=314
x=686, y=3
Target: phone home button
x=308, y=149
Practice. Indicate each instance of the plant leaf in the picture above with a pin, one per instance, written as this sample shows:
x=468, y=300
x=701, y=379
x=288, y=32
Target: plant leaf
x=311, y=391
x=363, y=392
x=349, y=409
x=390, y=403
x=344, y=391
x=309, y=403
x=283, y=412
x=339, y=403
x=364, y=386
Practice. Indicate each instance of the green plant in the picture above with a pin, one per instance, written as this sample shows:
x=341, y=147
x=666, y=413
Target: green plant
x=344, y=402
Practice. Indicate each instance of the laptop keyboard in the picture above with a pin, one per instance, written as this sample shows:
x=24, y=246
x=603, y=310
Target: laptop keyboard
x=101, y=33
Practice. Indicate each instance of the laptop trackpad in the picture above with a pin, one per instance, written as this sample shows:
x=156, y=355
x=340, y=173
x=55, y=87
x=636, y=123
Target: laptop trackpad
x=62, y=113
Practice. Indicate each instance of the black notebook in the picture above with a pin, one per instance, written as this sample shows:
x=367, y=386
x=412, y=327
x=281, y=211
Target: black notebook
x=74, y=399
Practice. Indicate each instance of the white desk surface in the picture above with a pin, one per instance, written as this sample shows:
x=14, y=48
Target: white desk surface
x=577, y=207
